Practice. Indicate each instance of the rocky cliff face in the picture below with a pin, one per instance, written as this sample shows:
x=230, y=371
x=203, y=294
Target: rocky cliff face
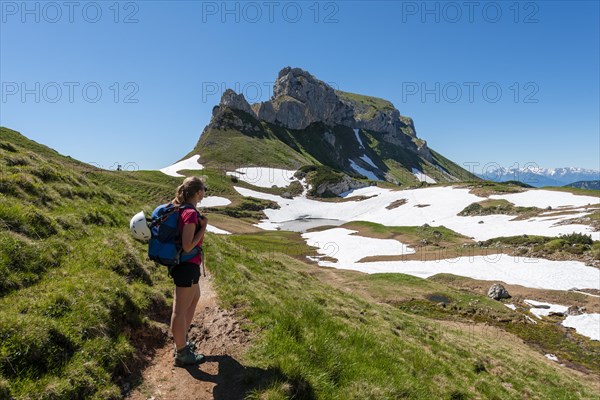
x=235, y=101
x=299, y=100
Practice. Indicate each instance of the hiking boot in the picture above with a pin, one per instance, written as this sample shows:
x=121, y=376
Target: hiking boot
x=187, y=357
x=189, y=345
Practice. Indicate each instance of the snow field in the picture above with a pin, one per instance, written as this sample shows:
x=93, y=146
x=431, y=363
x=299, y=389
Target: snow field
x=190, y=163
x=214, y=201
x=264, y=176
x=435, y=206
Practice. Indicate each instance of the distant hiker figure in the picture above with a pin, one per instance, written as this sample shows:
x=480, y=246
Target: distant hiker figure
x=192, y=226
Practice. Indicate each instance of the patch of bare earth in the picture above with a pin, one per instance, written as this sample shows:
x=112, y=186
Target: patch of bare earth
x=430, y=253
x=218, y=336
x=396, y=204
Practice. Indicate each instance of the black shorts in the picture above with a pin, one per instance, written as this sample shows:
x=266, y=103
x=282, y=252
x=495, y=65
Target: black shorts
x=185, y=274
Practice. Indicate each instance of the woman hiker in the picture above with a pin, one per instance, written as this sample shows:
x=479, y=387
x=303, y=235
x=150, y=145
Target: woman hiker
x=192, y=226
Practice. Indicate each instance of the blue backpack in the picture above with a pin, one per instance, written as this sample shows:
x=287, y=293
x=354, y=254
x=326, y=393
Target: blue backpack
x=165, y=240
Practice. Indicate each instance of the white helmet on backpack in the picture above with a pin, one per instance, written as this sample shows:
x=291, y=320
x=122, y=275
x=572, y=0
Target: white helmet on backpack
x=139, y=227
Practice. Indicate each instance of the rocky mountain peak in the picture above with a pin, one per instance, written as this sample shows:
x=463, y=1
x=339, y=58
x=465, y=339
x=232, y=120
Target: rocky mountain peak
x=302, y=86
x=299, y=100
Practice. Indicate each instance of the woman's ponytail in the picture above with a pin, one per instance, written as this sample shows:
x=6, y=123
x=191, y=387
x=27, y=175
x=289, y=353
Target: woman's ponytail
x=190, y=186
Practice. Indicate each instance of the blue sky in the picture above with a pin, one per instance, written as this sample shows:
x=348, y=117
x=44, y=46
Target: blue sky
x=134, y=83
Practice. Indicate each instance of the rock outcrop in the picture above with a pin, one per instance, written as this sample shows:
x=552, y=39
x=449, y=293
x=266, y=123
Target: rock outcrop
x=236, y=101
x=337, y=188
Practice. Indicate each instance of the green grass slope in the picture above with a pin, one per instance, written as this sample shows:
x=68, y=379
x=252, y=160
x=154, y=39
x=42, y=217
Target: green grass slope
x=328, y=343
x=75, y=288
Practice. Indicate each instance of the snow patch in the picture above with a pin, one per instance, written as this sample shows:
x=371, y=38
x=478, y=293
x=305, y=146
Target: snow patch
x=365, y=158
x=585, y=324
x=528, y=272
x=546, y=309
x=546, y=198
x=305, y=187
x=368, y=160
x=214, y=229
x=511, y=306
x=214, y=201
x=530, y=319
x=348, y=249
x=586, y=293
x=264, y=176
x=422, y=177
x=190, y=163
x=358, y=138
x=364, y=172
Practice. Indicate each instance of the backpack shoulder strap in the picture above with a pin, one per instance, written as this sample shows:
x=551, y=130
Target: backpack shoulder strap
x=169, y=207
x=188, y=206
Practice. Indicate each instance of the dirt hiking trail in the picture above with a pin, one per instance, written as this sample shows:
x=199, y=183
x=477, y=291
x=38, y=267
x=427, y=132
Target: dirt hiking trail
x=218, y=336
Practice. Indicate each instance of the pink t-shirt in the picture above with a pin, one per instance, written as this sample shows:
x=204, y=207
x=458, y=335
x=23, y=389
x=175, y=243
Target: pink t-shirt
x=190, y=216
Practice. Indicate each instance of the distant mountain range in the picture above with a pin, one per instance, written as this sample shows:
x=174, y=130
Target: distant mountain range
x=539, y=177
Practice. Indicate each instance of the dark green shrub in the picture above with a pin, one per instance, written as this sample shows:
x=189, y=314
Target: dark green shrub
x=575, y=238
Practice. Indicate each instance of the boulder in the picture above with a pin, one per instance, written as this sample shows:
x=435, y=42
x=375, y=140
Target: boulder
x=497, y=292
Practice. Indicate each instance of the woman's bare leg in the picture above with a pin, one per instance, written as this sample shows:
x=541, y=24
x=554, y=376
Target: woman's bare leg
x=189, y=315
x=184, y=296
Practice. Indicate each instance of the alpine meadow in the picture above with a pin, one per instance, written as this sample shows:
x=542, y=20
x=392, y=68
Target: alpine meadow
x=299, y=200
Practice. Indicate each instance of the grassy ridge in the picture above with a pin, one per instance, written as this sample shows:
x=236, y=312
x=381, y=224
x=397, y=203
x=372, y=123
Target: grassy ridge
x=74, y=286
x=367, y=106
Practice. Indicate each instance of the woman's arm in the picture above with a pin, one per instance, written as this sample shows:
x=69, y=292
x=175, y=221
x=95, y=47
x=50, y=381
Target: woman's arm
x=189, y=240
